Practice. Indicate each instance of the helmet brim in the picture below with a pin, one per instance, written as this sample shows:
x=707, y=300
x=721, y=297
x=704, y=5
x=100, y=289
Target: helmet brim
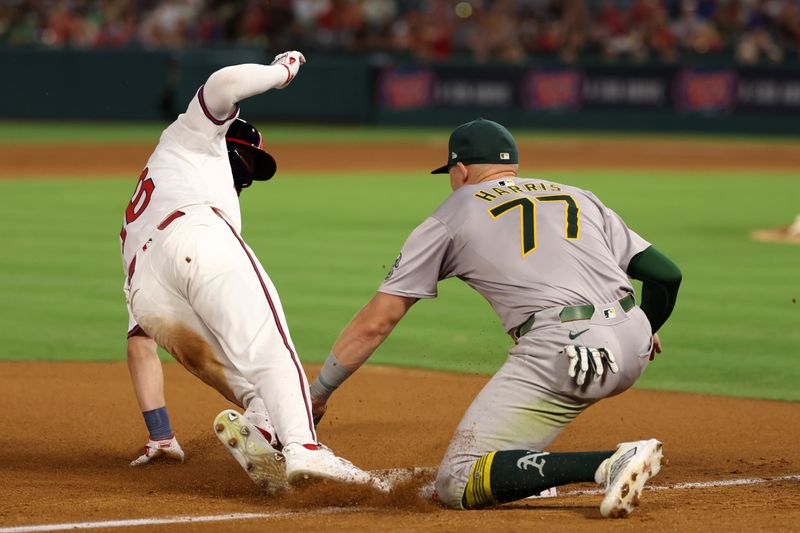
x=264, y=165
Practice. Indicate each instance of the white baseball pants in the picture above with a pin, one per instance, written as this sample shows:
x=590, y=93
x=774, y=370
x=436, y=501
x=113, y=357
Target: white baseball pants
x=200, y=292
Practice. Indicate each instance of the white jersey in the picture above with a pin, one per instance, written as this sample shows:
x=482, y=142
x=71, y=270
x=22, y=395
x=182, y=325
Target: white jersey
x=188, y=167
x=192, y=284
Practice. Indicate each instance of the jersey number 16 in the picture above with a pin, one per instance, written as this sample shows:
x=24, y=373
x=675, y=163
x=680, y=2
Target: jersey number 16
x=141, y=198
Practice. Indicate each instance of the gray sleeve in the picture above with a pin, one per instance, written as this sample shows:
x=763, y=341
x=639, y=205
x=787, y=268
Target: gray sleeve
x=623, y=241
x=422, y=262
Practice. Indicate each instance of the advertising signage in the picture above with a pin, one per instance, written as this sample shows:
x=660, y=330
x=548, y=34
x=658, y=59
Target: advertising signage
x=569, y=89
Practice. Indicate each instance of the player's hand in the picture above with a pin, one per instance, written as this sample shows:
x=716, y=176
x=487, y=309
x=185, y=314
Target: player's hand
x=292, y=61
x=585, y=361
x=167, y=449
x=656, y=346
x=318, y=408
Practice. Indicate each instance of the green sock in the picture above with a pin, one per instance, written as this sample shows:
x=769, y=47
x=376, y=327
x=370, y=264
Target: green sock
x=500, y=477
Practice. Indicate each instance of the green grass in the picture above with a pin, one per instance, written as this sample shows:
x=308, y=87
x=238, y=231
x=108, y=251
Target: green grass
x=15, y=132
x=328, y=241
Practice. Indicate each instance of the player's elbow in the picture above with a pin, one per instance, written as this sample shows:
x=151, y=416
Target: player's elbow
x=380, y=316
x=221, y=87
x=376, y=327
x=672, y=276
x=225, y=76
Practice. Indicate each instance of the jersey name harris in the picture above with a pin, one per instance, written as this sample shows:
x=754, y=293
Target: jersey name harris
x=509, y=188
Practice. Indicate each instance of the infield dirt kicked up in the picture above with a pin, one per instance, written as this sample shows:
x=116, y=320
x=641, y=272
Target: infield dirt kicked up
x=70, y=429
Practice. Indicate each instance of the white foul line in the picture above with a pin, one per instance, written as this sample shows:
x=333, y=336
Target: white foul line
x=334, y=510
x=694, y=485
x=178, y=520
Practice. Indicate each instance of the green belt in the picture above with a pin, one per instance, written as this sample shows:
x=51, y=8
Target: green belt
x=574, y=312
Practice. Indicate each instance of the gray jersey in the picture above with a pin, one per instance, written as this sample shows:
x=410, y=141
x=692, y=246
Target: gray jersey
x=524, y=244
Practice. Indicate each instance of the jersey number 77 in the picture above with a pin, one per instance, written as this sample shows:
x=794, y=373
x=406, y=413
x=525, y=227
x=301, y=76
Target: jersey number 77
x=527, y=207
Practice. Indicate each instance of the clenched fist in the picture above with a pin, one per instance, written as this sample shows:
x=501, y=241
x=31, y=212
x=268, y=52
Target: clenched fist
x=291, y=61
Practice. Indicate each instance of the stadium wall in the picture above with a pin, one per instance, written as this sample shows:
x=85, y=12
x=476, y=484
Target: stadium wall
x=135, y=84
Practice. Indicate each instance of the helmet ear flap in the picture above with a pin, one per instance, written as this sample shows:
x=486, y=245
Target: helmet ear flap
x=242, y=135
x=241, y=176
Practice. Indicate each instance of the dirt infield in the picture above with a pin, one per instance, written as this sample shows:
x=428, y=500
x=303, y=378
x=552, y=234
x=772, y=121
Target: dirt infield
x=537, y=155
x=70, y=429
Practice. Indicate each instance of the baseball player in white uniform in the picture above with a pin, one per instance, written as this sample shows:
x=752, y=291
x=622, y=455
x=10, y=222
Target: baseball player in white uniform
x=197, y=289
x=554, y=263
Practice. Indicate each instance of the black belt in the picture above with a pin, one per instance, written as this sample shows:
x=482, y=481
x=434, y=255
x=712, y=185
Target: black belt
x=572, y=312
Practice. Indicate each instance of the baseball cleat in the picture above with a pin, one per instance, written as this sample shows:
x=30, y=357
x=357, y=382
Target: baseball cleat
x=263, y=463
x=308, y=463
x=625, y=473
x=165, y=449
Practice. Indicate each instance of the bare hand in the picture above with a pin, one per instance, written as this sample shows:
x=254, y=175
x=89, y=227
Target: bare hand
x=656, y=346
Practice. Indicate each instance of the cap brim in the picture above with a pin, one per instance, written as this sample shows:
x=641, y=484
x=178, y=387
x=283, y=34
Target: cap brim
x=441, y=170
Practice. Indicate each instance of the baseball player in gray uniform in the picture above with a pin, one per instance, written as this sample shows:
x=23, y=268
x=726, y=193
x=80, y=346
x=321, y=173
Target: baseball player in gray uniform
x=554, y=263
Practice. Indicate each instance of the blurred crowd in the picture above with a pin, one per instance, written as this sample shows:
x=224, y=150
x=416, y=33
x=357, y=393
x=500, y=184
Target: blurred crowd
x=490, y=30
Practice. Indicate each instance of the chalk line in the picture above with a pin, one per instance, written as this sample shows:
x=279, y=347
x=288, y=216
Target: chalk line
x=335, y=510
x=180, y=520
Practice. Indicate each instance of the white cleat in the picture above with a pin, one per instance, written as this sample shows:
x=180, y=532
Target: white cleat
x=625, y=473
x=305, y=464
x=263, y=463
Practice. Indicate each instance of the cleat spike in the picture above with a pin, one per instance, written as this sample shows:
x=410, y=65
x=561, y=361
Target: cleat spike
x=262, y=463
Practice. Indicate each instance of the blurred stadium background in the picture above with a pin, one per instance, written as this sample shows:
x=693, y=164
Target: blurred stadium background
x=687, y=65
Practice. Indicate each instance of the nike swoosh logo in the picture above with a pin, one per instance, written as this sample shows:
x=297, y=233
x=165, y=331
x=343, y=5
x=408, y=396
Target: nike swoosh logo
x=573, y=336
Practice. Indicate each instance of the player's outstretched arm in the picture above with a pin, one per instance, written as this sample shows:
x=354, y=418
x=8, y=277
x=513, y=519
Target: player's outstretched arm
x=230, y=85
x=357, y=342
x=146, y=373
x=148, y=384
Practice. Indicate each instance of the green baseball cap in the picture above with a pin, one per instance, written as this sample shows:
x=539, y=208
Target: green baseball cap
x=480, y=141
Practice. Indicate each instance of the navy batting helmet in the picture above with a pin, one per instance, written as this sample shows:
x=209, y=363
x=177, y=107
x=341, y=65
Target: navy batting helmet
x=244, y=137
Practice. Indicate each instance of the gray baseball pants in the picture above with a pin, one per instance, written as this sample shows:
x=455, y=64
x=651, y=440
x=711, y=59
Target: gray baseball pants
x=531, y=398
